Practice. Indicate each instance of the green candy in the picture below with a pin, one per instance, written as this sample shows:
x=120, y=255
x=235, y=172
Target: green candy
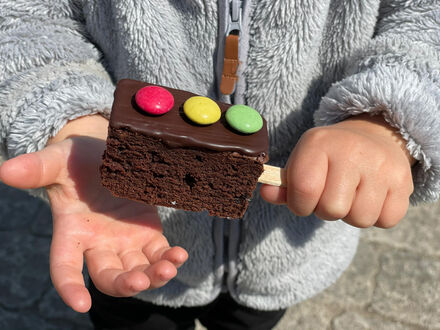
x=244, y=119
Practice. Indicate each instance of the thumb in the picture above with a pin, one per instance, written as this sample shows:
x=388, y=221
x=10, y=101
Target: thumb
x=274, y=195
x=35, y=170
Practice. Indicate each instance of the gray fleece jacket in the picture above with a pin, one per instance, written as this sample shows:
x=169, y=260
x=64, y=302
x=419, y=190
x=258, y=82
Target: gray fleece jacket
x=303, y=63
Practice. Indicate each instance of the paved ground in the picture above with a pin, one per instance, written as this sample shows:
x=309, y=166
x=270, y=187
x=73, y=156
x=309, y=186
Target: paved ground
x=393, y=283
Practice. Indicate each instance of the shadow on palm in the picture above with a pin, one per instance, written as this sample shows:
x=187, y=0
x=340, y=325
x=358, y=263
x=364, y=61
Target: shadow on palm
x=83, y=164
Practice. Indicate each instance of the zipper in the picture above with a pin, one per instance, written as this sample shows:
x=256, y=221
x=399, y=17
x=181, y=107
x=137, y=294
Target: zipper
x=233, y=18
x=228, y=54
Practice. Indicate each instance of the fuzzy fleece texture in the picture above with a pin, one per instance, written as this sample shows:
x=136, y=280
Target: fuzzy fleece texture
x=305, y=63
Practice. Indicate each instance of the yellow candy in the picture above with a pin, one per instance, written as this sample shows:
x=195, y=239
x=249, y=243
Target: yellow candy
x=202, y=110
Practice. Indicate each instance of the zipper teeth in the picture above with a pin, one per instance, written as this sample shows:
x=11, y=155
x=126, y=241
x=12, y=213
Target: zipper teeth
x=235, y=10
x=240, y=86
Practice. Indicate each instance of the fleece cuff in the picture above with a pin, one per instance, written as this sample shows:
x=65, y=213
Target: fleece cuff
x=37, y=103
x=42, y=103
x=409, y=101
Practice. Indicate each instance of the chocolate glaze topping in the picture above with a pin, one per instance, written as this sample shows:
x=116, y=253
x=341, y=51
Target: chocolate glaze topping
x=176, y=130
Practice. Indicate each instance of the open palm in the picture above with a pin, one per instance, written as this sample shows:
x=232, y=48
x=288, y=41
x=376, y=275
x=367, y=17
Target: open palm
x=121, y=240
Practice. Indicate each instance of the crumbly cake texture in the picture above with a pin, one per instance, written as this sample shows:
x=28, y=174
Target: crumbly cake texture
x=168, y=161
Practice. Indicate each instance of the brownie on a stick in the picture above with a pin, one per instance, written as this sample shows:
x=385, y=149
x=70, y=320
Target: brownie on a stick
x=167, y=147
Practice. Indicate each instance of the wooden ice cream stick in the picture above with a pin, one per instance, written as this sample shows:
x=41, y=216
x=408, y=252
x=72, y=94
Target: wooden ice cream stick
x=273, y=175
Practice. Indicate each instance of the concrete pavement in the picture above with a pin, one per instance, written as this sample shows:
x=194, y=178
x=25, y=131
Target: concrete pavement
x=393, y=283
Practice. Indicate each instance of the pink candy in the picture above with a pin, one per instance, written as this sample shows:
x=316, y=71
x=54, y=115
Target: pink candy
x=154, y=100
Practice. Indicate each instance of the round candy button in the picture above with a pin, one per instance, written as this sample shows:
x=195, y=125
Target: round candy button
x=154, y=100
x=244, y=119
x=202, y=110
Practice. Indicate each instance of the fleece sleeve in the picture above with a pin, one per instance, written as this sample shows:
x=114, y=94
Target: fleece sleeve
x=397, y=75
x=49, y=73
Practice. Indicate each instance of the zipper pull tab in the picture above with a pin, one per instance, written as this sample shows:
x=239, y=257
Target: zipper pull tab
x=230, y=60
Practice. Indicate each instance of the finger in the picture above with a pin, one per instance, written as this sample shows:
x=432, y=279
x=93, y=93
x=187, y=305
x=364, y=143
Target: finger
x=34, y=170
x=394, y=209
x=107, y=273
x=367, y=204
x=132, y=259
x=160, y=273
x=176, y=255
x=66, y=263
x=339, y=191
x=306, y=174
x=140, y=278
x=274, y=195
x=121, y=283
x=158, y=249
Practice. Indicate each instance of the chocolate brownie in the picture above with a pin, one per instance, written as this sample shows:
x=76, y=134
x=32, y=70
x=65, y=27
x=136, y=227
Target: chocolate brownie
x=169, y=160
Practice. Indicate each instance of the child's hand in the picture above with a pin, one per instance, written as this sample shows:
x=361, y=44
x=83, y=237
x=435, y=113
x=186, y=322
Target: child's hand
x=357, y=170
x=121, y=240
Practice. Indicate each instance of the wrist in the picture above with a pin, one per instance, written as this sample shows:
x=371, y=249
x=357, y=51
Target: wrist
x=376, y=125
x=94, y=126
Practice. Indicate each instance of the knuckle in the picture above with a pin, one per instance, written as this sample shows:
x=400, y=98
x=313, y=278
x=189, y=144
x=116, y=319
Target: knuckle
x=362, y=218
x=331, y=211
x=361, y=222
x=367, y=222
x=299, y=210
x=315, y=135
x=411, y=185
x=411, y=188
x=380, y=159
x=392, y=216
x=403, y=181
x=387, y=222
x=385, y=225
x=402, y=176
